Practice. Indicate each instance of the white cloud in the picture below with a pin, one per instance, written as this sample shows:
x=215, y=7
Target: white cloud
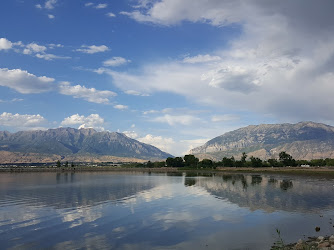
x=131, y=134
x=110, y=14
x=52, y=45
x=5, y=44
x=93, y=49
x=33, y=47
x=164, y=144
x=88, y=4
x=224, y=118
x=101, y=6
x=24, y=82
x=201, y=59
x=134, y=92
x=280, y=64
x=176, y=119
x=116, y=61
x=22, y=122
x=50, y=57
x=120, y=107
x=91, y=121
x=50, y=4
x=50, y=16
x=88, y=94
x=150, y=112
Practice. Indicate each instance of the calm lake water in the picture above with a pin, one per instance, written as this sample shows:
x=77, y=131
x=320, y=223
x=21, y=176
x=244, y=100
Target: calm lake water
x=106, y=210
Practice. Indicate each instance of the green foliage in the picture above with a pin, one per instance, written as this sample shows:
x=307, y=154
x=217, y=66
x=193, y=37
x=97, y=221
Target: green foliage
x=149, y=164
x=176, y=162
x=243, y=157
x=228, y=162
x=256, y=162
x=318, y=162
x=286, y=159
x=159, y=164
x=206, y=163
x=58, y=164
x=66, y=164
x=190, y=161
x=274, y=163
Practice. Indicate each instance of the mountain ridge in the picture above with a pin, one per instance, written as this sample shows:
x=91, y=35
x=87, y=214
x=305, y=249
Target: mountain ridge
x=67, y=142
x=303, y=140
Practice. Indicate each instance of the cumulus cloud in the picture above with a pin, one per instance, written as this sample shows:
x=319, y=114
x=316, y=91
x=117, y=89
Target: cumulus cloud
x=92, y=121
x=32, y=49
x=5, y=44
x=93, y=49
x=115, y=61
x=22, y=122
x=281, y=61
x=110, y=14
x=49, y=5
x=164, y=144
x=132, y=134
x=88, y=94
x=88, y=4
x=120, y=107
x=50, y=16
x=101, y=6
x=24, y=82
x=176, y=119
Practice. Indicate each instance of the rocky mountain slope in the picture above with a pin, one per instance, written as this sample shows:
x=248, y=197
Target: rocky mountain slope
x=66, y=142
x=304, y=140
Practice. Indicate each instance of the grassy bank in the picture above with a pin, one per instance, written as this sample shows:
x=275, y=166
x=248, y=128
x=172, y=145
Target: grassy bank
x=326, y=171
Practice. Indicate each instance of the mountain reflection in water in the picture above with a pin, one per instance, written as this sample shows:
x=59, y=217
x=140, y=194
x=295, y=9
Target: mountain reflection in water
x=124, y=210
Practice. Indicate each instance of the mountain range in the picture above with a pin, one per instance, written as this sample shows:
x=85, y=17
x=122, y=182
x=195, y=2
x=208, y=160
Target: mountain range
x=73, y=144
x=303, y=140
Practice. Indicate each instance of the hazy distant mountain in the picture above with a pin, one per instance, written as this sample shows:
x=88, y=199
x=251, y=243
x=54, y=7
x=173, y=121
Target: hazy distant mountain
x=67, y=142
x=304, y=140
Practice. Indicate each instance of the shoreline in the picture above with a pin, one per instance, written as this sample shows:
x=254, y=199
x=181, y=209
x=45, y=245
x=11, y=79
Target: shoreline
x=329, y=171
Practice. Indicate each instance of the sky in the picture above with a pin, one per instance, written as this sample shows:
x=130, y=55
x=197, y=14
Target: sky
x=171, y=73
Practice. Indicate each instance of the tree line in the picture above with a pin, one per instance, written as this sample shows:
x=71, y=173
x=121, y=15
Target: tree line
x=284, y=160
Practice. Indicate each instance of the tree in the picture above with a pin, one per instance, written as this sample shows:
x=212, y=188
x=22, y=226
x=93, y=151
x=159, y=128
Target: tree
x=66, y=164
x=243, y=158
x=274, y=163
x=176, y=162
x=149, y=164
x=190, y=161
x=286, y=159
x=228, y=162
x=206, y=163
x=58, y=164
x=256, y=162
x=170, y=162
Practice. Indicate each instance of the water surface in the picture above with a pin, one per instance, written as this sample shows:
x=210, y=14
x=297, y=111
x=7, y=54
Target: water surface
x=107, y=210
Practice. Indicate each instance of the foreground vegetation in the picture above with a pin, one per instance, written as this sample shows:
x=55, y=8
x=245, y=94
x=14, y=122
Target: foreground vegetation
x=191, y=162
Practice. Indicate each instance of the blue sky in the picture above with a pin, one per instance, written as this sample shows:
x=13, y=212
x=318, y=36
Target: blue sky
x=170, y=73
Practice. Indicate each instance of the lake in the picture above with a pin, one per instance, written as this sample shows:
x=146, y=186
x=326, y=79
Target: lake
x=131, y=210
